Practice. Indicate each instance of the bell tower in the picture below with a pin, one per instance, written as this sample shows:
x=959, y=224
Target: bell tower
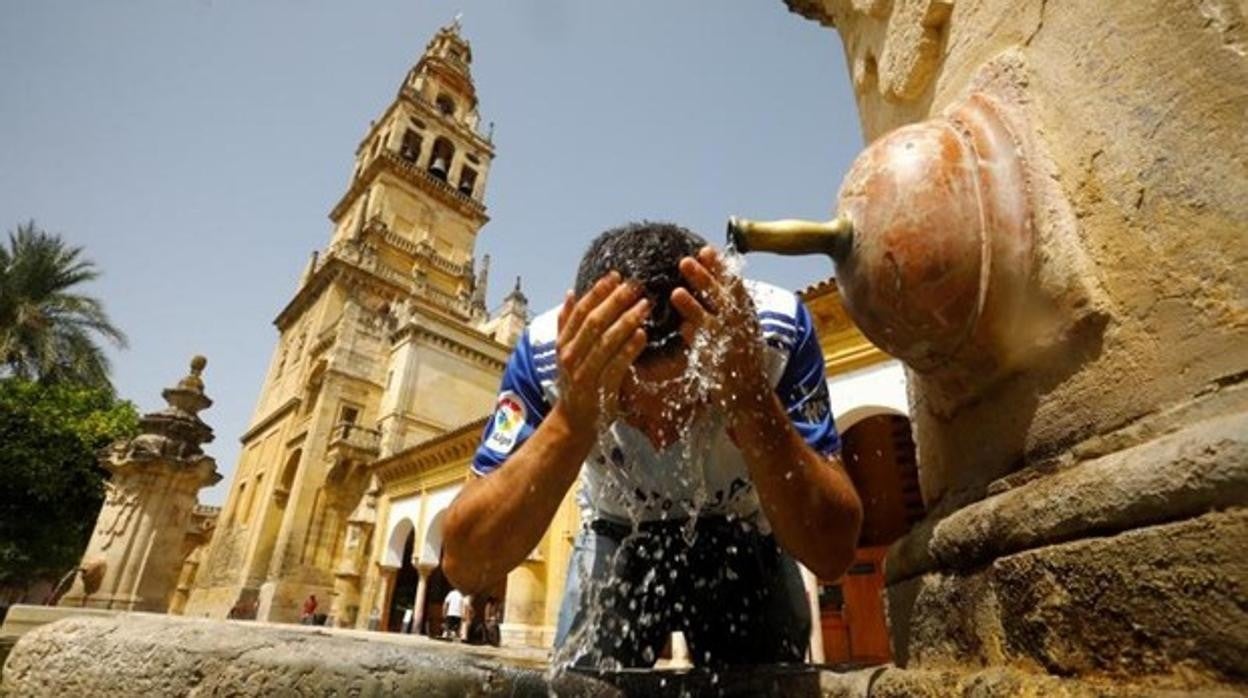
x=421, y=170
x=385, y=343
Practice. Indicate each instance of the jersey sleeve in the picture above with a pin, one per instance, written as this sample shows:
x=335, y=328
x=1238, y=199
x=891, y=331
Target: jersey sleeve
x=520, y=408
x=803, y=387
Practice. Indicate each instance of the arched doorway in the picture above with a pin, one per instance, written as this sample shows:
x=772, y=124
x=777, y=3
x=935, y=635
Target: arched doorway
x=435, y=596
x=399, y=554
x=433, y=622
x=879, y=454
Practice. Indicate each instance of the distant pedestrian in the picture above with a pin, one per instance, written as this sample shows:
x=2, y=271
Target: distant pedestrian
x=453, y=611
x=493, y=612
x=308, y=616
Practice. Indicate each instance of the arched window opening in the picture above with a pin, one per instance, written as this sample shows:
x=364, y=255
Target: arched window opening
x=879, y=455
x=236, y=509
x=312, y=389
x=467, y=181
x=446, y=105
x=287, y=481
x=410, y=148
x=251, y=500
x=440, y=160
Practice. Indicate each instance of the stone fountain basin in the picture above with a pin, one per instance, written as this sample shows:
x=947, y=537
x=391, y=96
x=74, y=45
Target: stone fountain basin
x=106, y=653
x=154, y=655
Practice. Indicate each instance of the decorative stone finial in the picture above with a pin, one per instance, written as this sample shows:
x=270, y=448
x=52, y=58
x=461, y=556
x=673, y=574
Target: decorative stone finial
x=517, y=296
x=193, y=380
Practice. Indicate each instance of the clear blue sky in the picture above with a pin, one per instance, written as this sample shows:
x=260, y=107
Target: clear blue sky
x=195, y=147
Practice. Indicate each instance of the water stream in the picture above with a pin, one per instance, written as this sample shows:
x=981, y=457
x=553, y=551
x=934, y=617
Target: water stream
x=702, y=375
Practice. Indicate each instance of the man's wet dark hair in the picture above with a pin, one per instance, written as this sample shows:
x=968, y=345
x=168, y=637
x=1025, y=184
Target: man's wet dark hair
x=648, y=253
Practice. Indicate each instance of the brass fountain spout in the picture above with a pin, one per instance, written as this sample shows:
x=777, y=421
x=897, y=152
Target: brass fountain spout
x=933, y=242
x=834, y=238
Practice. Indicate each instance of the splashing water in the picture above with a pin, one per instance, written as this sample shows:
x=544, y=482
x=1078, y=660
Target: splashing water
x=703, y=374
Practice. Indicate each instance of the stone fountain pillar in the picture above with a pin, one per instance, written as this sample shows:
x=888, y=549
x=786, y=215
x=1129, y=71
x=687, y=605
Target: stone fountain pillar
x=1051, y=230
x=136, y=552
x=348, y=573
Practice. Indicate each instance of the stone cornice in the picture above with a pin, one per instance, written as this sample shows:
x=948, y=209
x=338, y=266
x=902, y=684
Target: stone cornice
x=441, y=191
x=331, y=268
x=455, y=445
x=844, y=346
x=270, y=419
x=413, y=97
x=406, y=95
x=417, y=330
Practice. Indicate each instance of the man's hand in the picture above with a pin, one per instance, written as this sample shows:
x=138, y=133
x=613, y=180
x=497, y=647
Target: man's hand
x=600, y=336
x=507, y=513
x=808, y=498
x=721, y=325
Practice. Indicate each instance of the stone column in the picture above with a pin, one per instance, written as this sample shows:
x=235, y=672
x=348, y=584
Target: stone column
x=348, y=577
x=385, y=590
x=422, y=588
x=136, y=552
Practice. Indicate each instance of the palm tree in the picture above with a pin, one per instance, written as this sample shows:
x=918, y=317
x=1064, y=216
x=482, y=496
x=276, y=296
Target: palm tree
x=47, y=331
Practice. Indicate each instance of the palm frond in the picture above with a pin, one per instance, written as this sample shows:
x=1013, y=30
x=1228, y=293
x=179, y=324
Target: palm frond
x=49, y=330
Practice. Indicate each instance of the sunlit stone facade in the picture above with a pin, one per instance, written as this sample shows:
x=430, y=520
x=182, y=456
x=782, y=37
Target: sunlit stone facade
x=385, y=347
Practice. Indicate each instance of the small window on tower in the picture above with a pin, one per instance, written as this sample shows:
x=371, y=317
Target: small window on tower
x=446, y=105
x=349, y=414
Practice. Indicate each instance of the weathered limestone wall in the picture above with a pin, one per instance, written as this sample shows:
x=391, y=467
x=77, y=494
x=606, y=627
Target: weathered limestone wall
x=1088, y=488
x=1136, y=113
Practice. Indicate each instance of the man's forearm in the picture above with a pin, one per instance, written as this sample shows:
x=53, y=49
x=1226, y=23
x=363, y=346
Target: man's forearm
x=497, y=520
x=808, y=498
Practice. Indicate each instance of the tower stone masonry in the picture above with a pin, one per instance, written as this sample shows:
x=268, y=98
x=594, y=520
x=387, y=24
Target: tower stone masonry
x=385, y=344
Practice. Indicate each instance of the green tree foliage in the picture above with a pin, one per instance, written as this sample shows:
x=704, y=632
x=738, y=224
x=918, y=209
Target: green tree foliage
x=48, y=332
x=52, y=486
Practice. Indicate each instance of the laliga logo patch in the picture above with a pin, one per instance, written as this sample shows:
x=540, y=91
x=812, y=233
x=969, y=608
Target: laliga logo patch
x=817, y=404
x=509, y=417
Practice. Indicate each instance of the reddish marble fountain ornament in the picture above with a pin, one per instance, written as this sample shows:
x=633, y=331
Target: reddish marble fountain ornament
x=942, y=241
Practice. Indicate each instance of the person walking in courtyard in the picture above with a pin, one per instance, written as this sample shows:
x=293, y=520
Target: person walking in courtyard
x=308, y=615
x=693, y=408
x=453, y=612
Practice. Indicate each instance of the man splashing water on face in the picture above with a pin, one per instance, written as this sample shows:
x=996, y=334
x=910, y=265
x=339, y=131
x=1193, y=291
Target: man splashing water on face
x=693, y=407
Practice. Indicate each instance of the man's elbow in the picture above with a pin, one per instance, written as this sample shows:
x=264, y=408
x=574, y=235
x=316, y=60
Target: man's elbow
x=843, y=546
x=456, y=564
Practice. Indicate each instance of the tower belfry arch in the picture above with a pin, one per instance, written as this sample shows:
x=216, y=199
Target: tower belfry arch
x=386, y=343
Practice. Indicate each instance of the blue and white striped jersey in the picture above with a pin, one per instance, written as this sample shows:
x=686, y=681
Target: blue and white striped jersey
x=625, y=478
